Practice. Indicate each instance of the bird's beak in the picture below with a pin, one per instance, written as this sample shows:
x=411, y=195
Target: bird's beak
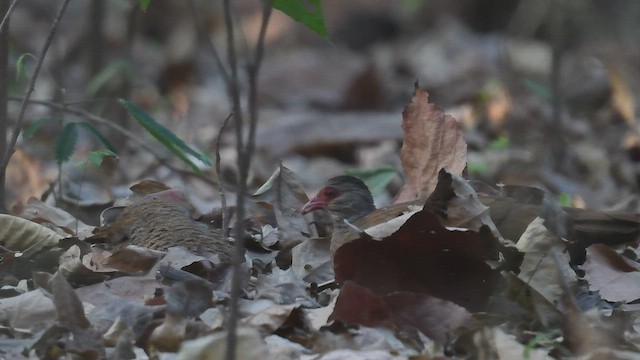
x=313, y=204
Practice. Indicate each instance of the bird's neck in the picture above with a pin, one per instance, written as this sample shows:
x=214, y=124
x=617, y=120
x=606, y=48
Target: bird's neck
x=352, y=216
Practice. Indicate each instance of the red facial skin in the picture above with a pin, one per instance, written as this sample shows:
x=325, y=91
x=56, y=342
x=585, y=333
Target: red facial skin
x=321, y=200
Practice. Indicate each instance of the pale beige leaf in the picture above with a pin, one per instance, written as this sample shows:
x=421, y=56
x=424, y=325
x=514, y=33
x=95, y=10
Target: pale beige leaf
x=432, y=141
x=19, y=234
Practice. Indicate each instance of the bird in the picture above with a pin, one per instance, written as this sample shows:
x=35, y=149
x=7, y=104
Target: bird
x=160, y=221
x=350, y=204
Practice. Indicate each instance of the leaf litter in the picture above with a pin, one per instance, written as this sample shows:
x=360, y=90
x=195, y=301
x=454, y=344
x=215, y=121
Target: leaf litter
x=456, y=275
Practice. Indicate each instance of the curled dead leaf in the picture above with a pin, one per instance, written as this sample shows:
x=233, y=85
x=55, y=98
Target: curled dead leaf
x=432, y=141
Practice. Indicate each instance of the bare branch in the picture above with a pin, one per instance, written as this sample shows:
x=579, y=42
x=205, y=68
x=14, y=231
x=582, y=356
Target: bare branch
x=236, y=283
x=245, y=151
x=23, y=107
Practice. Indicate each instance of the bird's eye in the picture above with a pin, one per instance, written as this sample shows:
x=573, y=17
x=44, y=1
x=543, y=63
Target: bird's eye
x=329, y=193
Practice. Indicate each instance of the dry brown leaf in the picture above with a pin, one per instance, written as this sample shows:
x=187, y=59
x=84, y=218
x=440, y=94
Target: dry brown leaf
x=432, y=141
x=250, y=346
x=540, y=271
x=614, y=276
x=284, y=192
x=40, y=212
x=84, y=340
x=311, y=260
x=32, y=310
x=621, y=96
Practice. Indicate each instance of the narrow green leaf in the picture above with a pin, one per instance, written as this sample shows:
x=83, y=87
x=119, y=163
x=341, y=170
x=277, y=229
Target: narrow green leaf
x=144, y=4
x=99, y=136
x=376, y=179
x=28, y=132
x=165, y=136
x=307, y=12
x=106, y=75
x=20, y=65
x=66, y=143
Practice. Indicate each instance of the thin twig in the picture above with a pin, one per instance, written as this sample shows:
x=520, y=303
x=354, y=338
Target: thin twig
x=202, y=33
x=6, y=17
x=245, y=152
x=118, y=128
x=223, y=197
x=236, y=283
x=23, y=107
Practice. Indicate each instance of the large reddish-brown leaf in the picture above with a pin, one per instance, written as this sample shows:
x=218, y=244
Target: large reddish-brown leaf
x=423, y=256
x=432, y=141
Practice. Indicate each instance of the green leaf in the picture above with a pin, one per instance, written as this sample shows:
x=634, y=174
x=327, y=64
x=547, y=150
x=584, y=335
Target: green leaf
x=99, y=136
x=565, y=199
x=96, y=157
x=475, y=168
x=501, y=143
x=165, y=136
x=28, y=132
x=308, y=12
x=106, y=75
x=20, y=65
x=144, y=4
x=411, y=6
x=376, y=179
x=66, y=142
x=538, y=88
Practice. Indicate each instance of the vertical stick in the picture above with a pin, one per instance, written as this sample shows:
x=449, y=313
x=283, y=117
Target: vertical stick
x=4, y=80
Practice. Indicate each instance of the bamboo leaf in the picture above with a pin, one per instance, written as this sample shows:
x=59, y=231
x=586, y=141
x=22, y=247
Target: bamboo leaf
x=307, y=12
x=165, y=136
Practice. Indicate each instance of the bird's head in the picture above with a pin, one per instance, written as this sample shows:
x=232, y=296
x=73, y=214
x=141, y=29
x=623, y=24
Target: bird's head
x=344, y=197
